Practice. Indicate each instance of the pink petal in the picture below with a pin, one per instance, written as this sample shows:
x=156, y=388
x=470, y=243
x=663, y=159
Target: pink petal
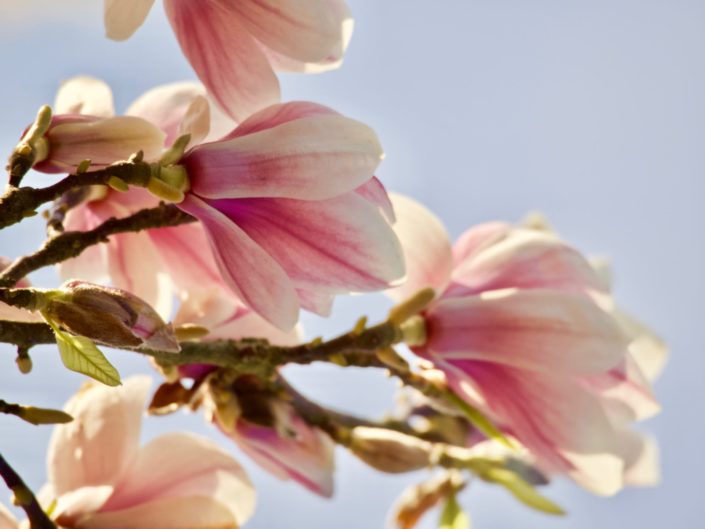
x=625, y=391
x=75, y=504
x=279, y=114
x=85, y=95
x=337, y=245
x=176, y=108
x=92, y=264
x=226, y=58
x=641, y=459
x=524, y=259
x=477, y=238
x=123, y=17
x=311, y=158
x=374, y=191
x=563, y=425
x=427, y=249
x=253, y=275
x=541, y=330
x=320, y=303
x=284, y=62
x=227, y=318
x=303, y=453
x=309, y=31
x=193, y=512
x=99, y=446
x=181, y=465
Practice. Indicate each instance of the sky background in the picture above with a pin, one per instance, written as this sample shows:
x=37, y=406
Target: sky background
x=592, y=111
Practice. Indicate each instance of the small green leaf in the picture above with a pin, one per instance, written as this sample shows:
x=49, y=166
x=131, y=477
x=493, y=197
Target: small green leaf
x=521, y=490
x=479, y=420
x=453, y=516
x=81, y=355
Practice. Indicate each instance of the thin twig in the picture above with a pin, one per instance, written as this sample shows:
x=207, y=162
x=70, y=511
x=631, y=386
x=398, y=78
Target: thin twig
x=25, y=498
x=72, y=243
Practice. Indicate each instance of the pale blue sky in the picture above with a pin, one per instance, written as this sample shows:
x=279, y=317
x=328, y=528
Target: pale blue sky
x=592, y=111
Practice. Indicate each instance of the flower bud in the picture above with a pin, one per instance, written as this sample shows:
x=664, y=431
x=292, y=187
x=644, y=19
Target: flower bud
x=390, y=451
x=71, y=139
x=110, y=316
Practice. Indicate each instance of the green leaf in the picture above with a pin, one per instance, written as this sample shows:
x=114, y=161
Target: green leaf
x=479, y=420
x=453, y=516
x=81, y=355
x=521, y=490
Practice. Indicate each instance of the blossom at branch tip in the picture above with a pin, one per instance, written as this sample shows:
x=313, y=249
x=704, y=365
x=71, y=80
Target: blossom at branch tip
x=286, y=200
x=520, y=329
x=236, y=45
x=274, y=435
x=100, y=477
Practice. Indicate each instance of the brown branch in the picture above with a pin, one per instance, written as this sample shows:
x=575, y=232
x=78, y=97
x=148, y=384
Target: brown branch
x=20, y=202
x=25, y=498
x=73, y=243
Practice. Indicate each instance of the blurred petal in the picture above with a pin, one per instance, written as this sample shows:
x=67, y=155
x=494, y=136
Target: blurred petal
x=477, y=238
x=563, y=425
x=331, y=245
x=541, y=330
x=193, y=512
x=426, y=246
x=123, y=17
x=649, y=351
x=641, y=460
x=7, y=519
x=74, y=504
x=524, y=259
x=92, y=264
x=253, y=275
x=311, y=158
x=224, y=55
x=308, y=31
x=176, y=108
x=85, y=95
x=320, y=303
x=374, y=191
x=284, y=62
x=92, y=450
x=181, y=465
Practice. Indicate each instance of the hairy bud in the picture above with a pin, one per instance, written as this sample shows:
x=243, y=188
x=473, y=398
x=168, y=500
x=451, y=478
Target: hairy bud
x=390, y=451
x=110, y=316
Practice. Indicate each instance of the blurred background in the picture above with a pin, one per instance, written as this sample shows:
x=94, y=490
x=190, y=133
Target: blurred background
x=592, y=111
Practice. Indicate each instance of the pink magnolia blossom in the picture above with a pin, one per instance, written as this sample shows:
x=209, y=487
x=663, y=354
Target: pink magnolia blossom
x=286, y=203
x=235, y=45
x=289, y=448
x=520, y=330
x=101, y=478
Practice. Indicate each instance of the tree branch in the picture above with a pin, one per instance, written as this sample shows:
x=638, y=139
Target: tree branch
x=25, y=498
x=73, y=243
x=20, y=202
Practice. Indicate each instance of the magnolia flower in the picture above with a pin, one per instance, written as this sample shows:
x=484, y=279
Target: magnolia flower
x=278, y=439
x=288, y=201
x=519, y=330
x=235, y=45
x=100, y=478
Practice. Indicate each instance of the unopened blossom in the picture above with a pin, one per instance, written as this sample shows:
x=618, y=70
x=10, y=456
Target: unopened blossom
x=519, y=330
x=236, y=45
x=287, y=446
x=286, y=205
x=73, y=138
x=109, y=315
x=100, y=477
